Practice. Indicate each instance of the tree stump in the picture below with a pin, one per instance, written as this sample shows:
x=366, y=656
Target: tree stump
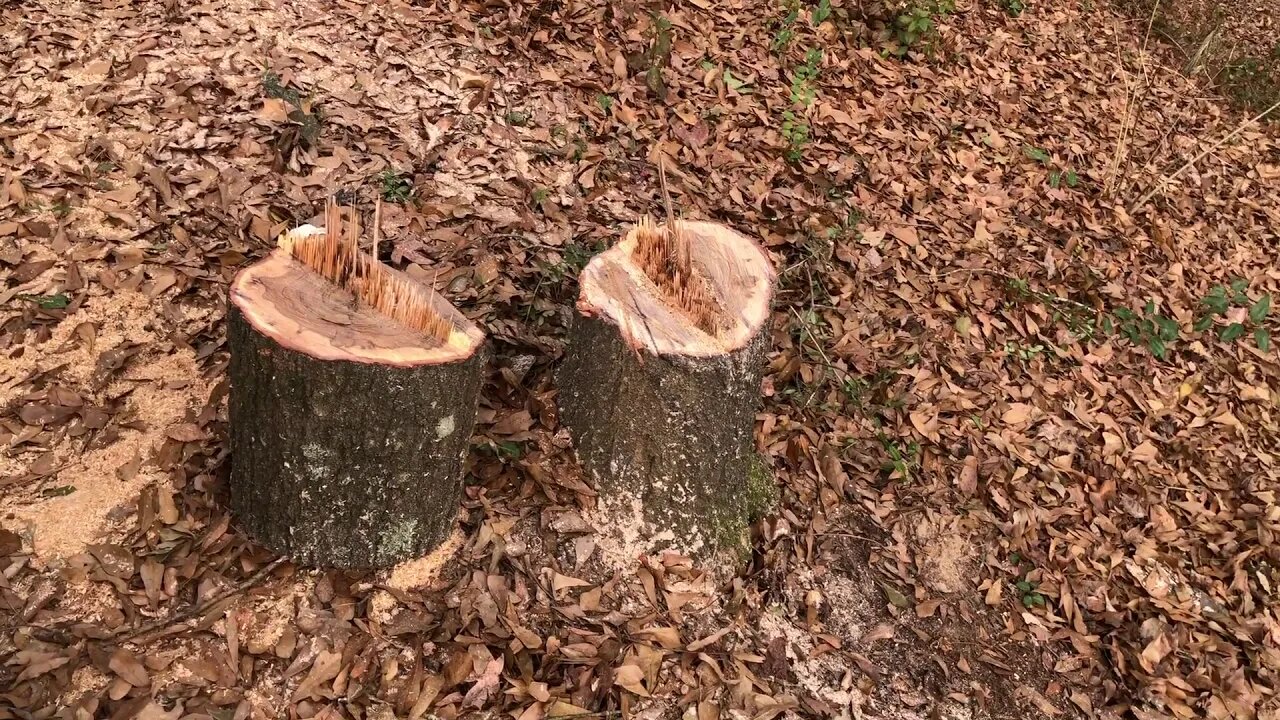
x=353, y=397
x=661, y=382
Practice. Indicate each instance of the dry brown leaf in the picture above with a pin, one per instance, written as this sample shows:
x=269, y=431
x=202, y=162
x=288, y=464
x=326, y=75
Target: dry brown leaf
x=630, y=678
x=129, y=668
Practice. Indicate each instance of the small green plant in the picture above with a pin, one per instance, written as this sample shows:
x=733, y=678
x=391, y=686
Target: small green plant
x=903, y=460
x=796, y=134
x=1221, y=299
x=847, y=226
x=576, y=256
x=1013, y=7
x=304, y=111
x=821, y=12
x=47, y=302
x=1030, y=596
x=855, y=390
x=917, y=25
x=604, y=101
x=1149, y=329
x=1037, y=154
x=1058, y=178
x=1082, y=320
x=1025, y=353
x=62, y=208
x=786, y=32
x=59, y=491
x=394, y=187
x=275, y=88
x=509, y=449
x=1253, y=82
x=795, y=128
x=805, y=78
x=741, y=87
x=539, y=196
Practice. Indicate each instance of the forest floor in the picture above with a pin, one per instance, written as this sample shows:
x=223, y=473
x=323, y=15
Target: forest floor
x=1021, y=405
x=1231, y=47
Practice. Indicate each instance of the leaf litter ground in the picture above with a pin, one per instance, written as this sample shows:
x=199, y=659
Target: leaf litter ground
x=993, y=503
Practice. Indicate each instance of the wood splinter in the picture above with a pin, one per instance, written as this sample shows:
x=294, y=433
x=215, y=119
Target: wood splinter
x=354, y=391
x=661, y=381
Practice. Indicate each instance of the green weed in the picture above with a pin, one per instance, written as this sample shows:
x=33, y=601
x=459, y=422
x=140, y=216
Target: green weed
x=1150, y=329
x=539, y=196
x=1253, y=81
x=847, y=226
x=795, y=127
x=1082, y=320
x=1058, y=178
x=47, y=302
x=1013, y=7
x=1037, y=154
x=304, y=112
x=805, y=77
x=786, y=32
x=1030, y=596
x=394, y=187
x=1222, y=298
x=1025, y=353
x=821, y=12
x=903, y=460
x=917, y=25
x=796, y=134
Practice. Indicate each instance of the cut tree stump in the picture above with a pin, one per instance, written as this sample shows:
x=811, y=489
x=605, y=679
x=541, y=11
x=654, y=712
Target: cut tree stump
x=353, y=397
x=661, y=382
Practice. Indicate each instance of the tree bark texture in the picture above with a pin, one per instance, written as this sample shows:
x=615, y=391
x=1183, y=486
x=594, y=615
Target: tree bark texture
x=668, y=440
x=346, y=464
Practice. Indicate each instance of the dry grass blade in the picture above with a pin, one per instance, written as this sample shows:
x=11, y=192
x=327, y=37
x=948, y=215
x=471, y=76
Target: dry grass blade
x=1199, y=156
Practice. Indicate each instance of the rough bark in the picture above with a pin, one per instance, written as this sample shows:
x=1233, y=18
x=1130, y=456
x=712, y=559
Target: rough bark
x=666, y=439
x=341, y=463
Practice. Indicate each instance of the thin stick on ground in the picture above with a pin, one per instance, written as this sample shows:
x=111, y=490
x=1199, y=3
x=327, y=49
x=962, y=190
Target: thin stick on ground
x=377, y=225
x=1199, y=156
x=165, y=625
x=1130, y=99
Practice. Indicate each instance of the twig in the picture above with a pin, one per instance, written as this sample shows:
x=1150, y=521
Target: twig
x=826, y=361
x=166, y=624
x=1011, y=278
x=1239, y=129
x=1130, y=99
x=377, y=225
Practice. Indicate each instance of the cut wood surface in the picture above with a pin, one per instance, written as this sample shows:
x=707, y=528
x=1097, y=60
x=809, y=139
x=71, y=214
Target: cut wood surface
x=349, y=424
x=661, y=380
x=737, y=282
